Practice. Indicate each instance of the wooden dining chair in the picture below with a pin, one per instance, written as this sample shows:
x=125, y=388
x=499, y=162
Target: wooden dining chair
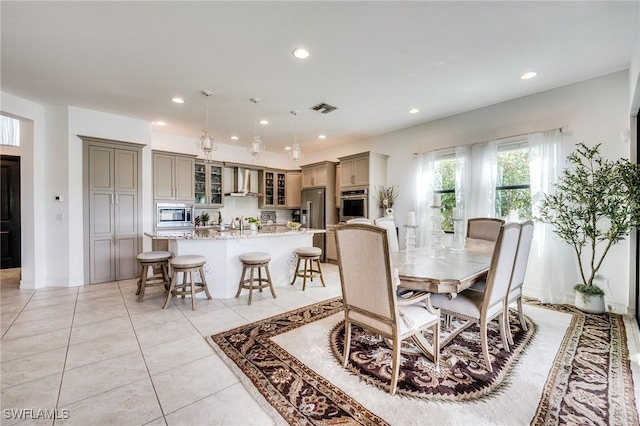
x=482, y=307
x=517, y=277
x=392, y=234
x=360, y=220
x=484, y=228
x=369, y=296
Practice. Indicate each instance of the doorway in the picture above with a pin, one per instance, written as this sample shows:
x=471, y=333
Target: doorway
x=9, y=212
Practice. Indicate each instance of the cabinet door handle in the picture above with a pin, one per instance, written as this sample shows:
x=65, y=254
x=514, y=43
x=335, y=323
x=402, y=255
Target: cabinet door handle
x=117, y=198
x=353, y=178
x=111, y=199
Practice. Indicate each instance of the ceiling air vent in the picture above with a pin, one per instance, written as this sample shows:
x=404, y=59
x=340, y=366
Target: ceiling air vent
x=324, y=108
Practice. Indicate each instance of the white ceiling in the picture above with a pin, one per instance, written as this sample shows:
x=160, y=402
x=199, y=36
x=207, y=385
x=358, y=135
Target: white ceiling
x=372, y=60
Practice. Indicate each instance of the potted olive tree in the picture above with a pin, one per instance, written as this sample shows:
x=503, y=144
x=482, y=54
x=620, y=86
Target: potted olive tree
x=595, y=205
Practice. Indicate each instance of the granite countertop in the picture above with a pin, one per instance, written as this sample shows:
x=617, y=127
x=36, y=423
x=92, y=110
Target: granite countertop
x=229, y=234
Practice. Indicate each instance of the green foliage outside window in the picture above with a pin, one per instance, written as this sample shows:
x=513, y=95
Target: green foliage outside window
x=513, y=192
x=445, y=170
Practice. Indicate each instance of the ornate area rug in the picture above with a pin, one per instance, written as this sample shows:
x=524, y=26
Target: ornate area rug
x=586, y=381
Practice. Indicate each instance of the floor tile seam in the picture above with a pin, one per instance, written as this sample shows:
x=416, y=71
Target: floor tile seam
x=66, y=356
x=144, y=360
x=31, y=354
x=204, y=397
x=14, y=320
x=32, y=381
x=157, y=373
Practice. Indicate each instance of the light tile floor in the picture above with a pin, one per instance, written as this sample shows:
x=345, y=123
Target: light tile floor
x=97, y=355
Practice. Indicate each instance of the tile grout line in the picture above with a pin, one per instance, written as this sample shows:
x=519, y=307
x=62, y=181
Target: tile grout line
x=14, y=320
x=66, y=355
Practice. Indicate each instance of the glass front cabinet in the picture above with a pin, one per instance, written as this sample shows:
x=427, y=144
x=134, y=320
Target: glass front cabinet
x=208, y=184
x=274, y=185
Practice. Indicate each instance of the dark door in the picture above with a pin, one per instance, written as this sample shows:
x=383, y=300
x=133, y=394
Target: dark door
x=9, y=212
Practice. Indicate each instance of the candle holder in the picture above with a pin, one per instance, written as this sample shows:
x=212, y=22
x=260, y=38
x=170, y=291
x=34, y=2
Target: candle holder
x=410, y=240
x=458, y=237
x=437, y=248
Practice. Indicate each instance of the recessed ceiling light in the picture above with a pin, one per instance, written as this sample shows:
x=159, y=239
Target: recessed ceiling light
x=264, y=122
x=322, y=137
x=287, y=148
x=414, y=111
x=300, y=53
x=160, y=123
x=235, y=138
x=177, y=100
x=528, y=75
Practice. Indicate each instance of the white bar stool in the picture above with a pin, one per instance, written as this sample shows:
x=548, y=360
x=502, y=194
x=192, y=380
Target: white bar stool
x=187, y=264
x=308, y=255
x=153, y=259
x=253, y=261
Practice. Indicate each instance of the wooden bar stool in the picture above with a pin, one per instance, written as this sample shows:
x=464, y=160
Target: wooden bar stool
x=308, y=255
x=253, y=261
x=187, y=264
x=153, y=259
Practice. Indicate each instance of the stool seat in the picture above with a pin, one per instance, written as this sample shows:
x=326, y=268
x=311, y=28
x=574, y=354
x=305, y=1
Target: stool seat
x=309, y=251
x=153, y=260
x=308, y=255
x=252, y=261
x=188, y=265
x=153, y=256
x=188, y=261
x=254, y=258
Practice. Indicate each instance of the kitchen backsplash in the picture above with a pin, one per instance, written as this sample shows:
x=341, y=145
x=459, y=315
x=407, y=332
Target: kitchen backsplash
x=243, y=206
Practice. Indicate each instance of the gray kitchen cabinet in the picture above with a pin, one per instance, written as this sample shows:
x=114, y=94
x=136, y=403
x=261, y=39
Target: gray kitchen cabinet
x=294, y=190
x=274, y=189
x=208, y=184
x=315, y=175
x=330, y=249
x=173, y=176
x=114, y=237
x=354, y=171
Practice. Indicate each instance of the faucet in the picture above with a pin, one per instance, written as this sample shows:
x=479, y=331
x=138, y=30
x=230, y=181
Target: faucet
x=241, y=223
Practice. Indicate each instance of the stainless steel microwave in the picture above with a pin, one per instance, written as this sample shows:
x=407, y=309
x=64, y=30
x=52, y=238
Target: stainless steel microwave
x=174, y=215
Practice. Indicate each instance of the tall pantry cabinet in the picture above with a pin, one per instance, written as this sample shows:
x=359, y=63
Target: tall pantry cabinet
x=112, y=209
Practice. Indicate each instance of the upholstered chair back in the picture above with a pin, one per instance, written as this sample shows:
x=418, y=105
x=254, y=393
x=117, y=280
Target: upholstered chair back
x=522, y=256
x=484, y=228
x=360, y=220
x=502, y=263
x=392, y=235
x=365, y=275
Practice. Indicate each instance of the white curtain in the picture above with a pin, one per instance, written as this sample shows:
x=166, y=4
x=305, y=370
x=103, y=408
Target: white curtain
x=482, y=166
x=463, y=183
x=551, y=268
x=424, y=196
x=9, y=131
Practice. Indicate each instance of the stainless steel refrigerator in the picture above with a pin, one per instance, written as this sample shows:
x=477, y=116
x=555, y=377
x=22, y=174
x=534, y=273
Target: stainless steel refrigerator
x=313, y=215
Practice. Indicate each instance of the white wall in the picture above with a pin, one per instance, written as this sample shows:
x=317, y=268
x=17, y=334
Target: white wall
x=594, y=110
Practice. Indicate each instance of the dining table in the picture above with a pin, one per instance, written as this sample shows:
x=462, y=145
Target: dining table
x=451, y=272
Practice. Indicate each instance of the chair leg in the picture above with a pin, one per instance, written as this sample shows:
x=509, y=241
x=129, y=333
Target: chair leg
x=165, y=276
x=395, y=366
x=204, y=284
x=142, y=284
x=320, y=271
x=485, y=345
x=347, y=342
x=193, y=290
x=523, y=323
x=244, y=272
x=260, y=279
x=171, y=288
x=436, y=344
x=304, y=277
x=273, y=292
x=251, y=284
x=503, y=331
x=295, y=273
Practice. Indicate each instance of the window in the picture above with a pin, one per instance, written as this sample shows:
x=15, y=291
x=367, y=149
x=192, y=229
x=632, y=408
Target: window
x=444, y=183
x=10, y=134
x=513, y=188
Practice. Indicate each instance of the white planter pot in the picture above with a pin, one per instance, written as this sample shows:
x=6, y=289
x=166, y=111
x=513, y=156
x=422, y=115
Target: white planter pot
x=592, y=304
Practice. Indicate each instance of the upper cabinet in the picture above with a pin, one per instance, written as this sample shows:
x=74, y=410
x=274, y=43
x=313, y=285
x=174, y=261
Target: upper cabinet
x=173, y=176
x=294, y=180
x=314, y=175
x=209, y=181
x=364, y=169
x=274, y=185
x=354, y=171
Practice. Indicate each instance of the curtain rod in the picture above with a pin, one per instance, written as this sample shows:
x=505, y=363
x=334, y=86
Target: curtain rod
x=563, y=129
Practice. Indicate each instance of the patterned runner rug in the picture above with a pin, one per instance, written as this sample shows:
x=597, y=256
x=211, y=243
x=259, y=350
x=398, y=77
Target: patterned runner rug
x=589, y=382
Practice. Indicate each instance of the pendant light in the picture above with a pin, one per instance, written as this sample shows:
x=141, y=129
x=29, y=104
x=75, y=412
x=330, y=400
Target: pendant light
x=256, y=147
x=207, y=143
x=295, y=153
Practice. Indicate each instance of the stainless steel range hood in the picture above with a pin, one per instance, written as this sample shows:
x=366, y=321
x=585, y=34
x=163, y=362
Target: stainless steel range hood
x=244, y=183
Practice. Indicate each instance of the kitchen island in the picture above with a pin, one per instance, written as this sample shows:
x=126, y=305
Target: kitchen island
x=222, y=249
